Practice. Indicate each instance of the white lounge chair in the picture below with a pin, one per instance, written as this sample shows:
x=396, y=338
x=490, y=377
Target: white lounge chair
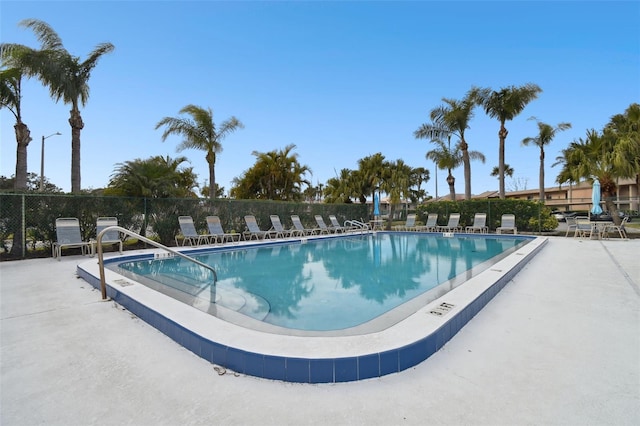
x=254, y=230
x=280, y=230
x=479, y=224
x=189, y=233
x=432, y=222
x=324, y=229
x=297, y=223
x=335, y=225
x=507, y=223
x=68, y=236
x=110, y=237
x=409, y=224
x=452, y=225
x=217, y=232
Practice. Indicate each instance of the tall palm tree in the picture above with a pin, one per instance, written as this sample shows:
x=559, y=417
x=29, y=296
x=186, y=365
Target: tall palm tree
x=505, y=105
x=546, y=133
x=453, y=119
x=199, y=132
x=13, y=58
x=67, y=78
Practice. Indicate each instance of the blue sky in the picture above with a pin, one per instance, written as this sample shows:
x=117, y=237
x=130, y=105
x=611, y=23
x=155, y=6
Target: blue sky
x=340, y=80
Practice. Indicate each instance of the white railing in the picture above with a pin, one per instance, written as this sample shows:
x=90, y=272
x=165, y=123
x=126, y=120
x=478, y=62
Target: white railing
x=103, y=284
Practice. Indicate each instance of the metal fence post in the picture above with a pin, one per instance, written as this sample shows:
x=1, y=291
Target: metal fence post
x=24, y=227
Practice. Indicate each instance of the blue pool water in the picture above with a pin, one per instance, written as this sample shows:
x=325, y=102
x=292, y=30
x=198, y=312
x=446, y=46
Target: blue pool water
x=326, y=284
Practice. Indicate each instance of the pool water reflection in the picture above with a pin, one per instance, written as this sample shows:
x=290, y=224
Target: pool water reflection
x=327, y=284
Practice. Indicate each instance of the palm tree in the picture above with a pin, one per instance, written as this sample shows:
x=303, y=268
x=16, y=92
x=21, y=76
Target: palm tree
x=67, y=78
x=453, y=119
x=276, y=175
x=340, y=189
x=155, y=177
x=370, y=173
x=596, y=157
x=199, y=132
x=508, y=171
x=448, y=159
x=396, y=184
x=505, y=105
x=625, y=128
x=546, y=133
x=11, y=99
x=419, y=176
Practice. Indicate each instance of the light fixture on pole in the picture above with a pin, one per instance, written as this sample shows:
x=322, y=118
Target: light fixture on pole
x=42, y=159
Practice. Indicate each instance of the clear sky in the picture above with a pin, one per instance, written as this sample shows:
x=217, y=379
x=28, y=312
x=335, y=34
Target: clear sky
x=340, y=80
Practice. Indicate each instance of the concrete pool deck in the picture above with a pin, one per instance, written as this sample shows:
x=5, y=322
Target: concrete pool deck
x=560, y=344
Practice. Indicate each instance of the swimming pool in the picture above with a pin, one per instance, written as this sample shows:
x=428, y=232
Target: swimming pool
x=348, y=285
x=396, y=335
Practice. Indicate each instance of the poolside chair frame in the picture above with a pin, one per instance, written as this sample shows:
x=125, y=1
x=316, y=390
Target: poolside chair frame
x=507, y=224
x=218, y=234
x=111, y=237
x=68, y=236
x=190, y=234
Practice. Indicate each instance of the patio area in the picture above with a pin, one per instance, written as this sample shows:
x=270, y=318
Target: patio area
x=559, y=345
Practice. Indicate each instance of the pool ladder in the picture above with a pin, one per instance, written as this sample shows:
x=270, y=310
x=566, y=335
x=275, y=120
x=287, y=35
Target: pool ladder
x=103, y=284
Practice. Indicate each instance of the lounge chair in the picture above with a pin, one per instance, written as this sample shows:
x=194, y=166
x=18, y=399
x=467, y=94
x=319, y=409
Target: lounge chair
x=254, y=230
x=432, y=222
x=68, y=236
x=616, y=228
x=110, y=237
x=452, y=225
x=479, y=224
x=297, y=224
x=336, y=227
x=409, y=224
x=571, y=225
x=189, y=233
x=324, y=229
x=217, y=232
x=584, y=228
x=280, y=230
x=507, y=223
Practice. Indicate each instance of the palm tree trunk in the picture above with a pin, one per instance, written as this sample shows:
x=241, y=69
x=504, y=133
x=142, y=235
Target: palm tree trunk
x=76, y=127
x=541, y=181
x=213, y=187
x=502, y=134
x=467, y=169
x=452, y=186
x=23, y=137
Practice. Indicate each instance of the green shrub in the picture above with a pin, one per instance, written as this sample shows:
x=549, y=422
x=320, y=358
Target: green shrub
x=531, y=216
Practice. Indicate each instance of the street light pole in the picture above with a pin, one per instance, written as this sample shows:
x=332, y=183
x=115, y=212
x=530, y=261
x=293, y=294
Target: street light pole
x=42, y=160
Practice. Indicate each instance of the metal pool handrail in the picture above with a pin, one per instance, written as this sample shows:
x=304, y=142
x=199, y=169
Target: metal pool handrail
x=103, y=285
x=356, y=223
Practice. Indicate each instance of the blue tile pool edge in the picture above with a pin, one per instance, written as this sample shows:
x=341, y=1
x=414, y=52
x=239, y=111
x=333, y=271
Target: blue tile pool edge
x=307, y=369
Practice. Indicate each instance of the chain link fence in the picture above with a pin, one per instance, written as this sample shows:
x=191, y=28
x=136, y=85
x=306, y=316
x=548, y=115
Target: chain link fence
x=27, y=221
